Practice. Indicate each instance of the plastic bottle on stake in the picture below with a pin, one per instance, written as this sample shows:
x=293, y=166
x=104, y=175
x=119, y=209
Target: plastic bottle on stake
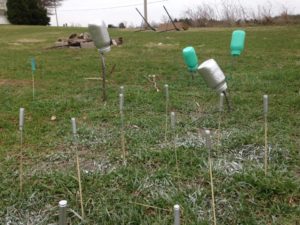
x=190, y=58
x=213, y=75
x=100, y=37
x=237, y=42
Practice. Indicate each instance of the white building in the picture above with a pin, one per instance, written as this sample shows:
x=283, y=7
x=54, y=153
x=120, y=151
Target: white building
x=3, y=19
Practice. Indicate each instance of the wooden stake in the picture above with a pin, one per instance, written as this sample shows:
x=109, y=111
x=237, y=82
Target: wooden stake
x=33, y=68
x=265, y=97
x=21, y=126
x=33, y=88
x=121, y=96
x=208, y=145
x=104, y=97
x=150, y=206
x=74, y=130
x=221, y=109
x=173, y=126
x=167, y=110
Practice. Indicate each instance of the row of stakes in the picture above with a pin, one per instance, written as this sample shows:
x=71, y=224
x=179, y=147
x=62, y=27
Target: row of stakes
x=63, y=203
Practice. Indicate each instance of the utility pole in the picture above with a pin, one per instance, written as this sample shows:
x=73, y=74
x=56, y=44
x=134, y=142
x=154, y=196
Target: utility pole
x=145, y=13
x=55, y=13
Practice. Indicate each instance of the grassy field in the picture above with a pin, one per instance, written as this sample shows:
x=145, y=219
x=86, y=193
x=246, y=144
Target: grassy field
x=144, y=191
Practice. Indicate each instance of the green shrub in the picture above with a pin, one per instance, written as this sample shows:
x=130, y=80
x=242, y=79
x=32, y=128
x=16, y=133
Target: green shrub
x=27, y=12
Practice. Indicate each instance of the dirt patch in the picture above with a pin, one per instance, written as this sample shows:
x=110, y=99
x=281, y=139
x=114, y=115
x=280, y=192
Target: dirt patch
x=66, y=161
x=30, y=40
x=7, y=82
x=160, y=45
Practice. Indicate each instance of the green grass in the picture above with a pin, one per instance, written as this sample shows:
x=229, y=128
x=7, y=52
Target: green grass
x=244, y=195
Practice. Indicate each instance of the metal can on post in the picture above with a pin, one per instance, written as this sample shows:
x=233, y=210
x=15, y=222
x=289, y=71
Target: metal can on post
x=213, y=75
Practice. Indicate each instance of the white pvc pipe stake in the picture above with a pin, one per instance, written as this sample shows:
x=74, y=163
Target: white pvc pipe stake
x=74, y=130
x=208, y=140
x=121, y=102
x=173, y=120
x=21, y=118
x=62, y=212
x=221, y=105
x=167, y=91
x=122, y=90
x=176, y=214
x=265, y=104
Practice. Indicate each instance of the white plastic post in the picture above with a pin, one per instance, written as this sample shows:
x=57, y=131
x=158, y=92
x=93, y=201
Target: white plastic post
x=122, y=90
x=221, y=105
x=62, y=212
x=74, y=130
x=21, y=118
x=176, y=214
x=167, y=91
x=173, y=120
x=266, y=104
x=121, y=96
x=207, y=139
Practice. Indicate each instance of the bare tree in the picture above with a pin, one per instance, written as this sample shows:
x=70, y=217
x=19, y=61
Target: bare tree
x=202, y=15
x=284, y=15
x=266, y=13
x=50, y=3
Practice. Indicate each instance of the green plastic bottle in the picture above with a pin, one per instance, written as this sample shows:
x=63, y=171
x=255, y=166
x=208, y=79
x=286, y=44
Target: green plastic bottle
x=237, y=42
x=190, y=58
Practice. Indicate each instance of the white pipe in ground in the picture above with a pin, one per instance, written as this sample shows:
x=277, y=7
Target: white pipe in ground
x=62, y=212
x=176, y=214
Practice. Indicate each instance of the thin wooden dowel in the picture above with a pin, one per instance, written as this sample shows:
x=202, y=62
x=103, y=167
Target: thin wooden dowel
x=221, y=109
x=21, y=125
x=33, y=85
x=79, y=184
x=74, y=131
x=212, y=191
x=150, y=206
x=209, y=146
x=104, y=97
x=167, y=110
x=265, y=105
x=21, y=161
x=173, y=126
x=121, y=96
x=266, y=145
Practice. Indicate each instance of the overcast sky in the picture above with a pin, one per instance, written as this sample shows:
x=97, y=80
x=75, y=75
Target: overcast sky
x=83, y=12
